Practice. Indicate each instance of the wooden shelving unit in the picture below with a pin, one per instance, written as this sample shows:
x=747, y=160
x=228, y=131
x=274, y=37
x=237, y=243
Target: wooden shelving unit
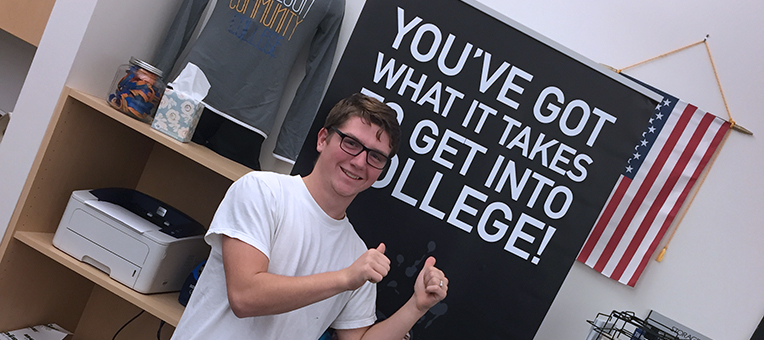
x=90, y=145
x=25, y=19
x=164, y=306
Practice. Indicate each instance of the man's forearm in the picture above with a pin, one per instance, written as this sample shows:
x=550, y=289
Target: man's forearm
x=397, y=325
x=268, y=294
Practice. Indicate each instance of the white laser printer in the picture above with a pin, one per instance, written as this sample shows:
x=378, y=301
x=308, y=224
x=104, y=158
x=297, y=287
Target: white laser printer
x=134, y=238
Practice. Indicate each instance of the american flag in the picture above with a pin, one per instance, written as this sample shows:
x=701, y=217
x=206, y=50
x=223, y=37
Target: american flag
x=673, y=151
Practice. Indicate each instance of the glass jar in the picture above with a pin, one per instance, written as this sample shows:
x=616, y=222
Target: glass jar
x=137, y=89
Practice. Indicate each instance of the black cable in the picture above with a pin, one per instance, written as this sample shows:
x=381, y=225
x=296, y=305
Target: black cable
x=159, y=331
x=125, y=325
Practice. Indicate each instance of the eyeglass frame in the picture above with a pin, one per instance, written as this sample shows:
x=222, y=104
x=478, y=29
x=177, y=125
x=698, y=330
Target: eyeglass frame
x=363, y=148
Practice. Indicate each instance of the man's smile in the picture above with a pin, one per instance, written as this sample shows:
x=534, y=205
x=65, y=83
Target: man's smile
x=349, y=174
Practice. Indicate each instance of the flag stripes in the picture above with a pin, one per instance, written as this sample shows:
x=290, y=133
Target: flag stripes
x=639, y=267
x=645, y=200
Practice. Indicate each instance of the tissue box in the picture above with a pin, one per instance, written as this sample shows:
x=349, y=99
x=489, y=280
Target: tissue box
x=177, y=115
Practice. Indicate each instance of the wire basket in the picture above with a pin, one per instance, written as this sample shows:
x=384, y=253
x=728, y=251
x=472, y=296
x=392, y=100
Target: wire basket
x=627, y=326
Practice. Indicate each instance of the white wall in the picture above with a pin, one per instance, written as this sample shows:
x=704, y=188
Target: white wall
x=710, y=278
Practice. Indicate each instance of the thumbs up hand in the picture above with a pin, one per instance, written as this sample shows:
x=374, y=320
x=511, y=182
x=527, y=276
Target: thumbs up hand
x=431, y=286
x=372, y=266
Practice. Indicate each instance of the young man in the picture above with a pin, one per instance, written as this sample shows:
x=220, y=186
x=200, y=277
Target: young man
x=287, y=264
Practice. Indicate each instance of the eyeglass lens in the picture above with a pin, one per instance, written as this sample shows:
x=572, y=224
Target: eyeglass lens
x=353, y=147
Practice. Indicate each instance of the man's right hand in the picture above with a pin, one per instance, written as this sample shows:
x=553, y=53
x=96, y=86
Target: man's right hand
x=372, y=266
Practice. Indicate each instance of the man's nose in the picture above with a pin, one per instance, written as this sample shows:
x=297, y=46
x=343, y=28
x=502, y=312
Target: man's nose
x=360, y=159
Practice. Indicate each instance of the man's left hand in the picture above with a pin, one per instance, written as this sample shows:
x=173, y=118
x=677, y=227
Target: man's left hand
x=431, y=286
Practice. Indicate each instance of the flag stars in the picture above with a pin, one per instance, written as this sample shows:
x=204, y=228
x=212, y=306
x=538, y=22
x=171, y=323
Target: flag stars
x=643, y=142
x=637, y=155
x=629, y=169
x=659, y=116
x=666, y=102
x=651, y=129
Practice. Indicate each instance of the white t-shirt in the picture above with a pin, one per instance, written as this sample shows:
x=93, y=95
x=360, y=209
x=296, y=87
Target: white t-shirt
x=276, y=214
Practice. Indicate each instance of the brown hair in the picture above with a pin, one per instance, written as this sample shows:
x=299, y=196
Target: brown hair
x=370, y=110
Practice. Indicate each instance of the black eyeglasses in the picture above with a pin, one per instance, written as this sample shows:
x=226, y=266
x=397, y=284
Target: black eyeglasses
x=353, y=147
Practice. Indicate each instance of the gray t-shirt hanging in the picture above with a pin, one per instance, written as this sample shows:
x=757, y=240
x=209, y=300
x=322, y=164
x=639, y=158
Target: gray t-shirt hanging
x=247, y=50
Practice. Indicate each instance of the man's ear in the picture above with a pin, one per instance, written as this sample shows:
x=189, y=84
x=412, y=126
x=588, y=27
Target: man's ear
x=323, y=134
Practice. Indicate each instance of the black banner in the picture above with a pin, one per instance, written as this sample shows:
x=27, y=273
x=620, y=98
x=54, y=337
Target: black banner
x=510, y=149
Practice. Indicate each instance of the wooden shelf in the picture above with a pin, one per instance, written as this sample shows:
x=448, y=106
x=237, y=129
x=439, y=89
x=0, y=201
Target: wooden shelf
x=25, y=19
x=164, y=306
x=193, y=151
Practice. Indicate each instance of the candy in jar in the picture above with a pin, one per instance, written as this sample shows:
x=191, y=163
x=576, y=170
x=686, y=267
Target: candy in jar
x=137, y=89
